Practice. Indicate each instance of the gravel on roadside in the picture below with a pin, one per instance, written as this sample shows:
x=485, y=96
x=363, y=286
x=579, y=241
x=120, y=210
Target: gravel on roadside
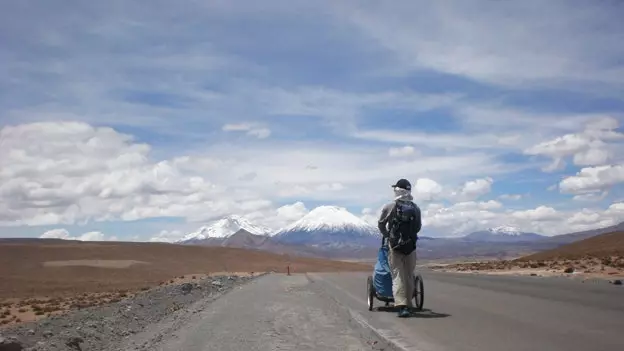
x=105, y=327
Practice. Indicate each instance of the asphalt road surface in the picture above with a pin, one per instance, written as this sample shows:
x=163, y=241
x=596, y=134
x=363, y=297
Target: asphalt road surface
x=481, y=312
x=462, y=312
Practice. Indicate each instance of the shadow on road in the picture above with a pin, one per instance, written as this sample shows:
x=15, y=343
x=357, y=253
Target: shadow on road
x=425, y=313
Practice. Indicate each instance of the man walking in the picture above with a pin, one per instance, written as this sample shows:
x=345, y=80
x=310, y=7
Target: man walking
x=400, y=222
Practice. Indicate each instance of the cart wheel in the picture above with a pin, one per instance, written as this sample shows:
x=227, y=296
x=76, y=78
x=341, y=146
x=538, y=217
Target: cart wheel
x=370, y=289
x=419, y=292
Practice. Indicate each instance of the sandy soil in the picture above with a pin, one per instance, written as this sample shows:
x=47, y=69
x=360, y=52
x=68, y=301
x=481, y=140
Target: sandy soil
x=93, y=263
x=39, y=279
x=609, y=268
x=598, y=257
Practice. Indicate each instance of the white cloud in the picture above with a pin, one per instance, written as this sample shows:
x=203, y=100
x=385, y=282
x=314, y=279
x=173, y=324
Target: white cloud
x=357, y=175
x=425, y=189
x=252, y=129
x=292, y=212
x=510, y=197
x=591, y=196
x=596, y=145
x=463, y=218
x=167, y=236
x=89, y=236
x=401, y=151
x=593, y=179
x=541, y=213
x=473, y=189
x=71, y=172
x=484, y=43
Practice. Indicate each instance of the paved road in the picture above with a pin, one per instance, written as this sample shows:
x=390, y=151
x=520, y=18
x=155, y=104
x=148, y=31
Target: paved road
x=274, y=312
x=462, y=312
x=479, y=312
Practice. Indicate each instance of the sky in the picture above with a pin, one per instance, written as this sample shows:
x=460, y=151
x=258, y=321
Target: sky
x=144, y=120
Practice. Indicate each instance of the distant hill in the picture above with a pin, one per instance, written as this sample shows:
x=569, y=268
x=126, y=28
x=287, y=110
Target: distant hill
x=600, y=246
x=576, y=236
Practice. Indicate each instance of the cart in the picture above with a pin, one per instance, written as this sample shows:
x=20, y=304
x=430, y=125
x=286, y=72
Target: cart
x=379, y=285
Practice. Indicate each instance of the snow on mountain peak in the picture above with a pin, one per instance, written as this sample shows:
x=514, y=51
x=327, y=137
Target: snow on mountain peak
x=505, y=230
x=330, y=218
x=226, y=227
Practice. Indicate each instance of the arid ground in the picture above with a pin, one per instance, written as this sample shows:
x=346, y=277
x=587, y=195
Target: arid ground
x=40, y=278
x=601, y=256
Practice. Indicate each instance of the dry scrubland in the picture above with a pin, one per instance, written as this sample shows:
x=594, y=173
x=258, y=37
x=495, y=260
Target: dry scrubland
x=43, y=278
x=601, y=256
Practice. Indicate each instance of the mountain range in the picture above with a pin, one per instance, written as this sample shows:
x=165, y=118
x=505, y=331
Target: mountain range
x=334, y=232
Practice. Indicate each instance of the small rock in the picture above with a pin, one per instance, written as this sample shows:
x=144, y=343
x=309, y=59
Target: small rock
x=217, y=283
x=186, y=288
x=74, y=342
x=31, y=332
x=48, y=334
x=569, y=270
x=533, y=275
x=616, y=282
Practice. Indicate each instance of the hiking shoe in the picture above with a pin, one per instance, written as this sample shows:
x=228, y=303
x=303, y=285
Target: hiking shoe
x=404, y=312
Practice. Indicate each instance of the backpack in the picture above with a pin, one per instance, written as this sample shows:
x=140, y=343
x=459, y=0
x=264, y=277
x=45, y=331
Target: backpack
x=402, y=234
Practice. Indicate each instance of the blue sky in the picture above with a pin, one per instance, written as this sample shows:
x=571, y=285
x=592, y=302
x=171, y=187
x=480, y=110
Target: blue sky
x=146, y=119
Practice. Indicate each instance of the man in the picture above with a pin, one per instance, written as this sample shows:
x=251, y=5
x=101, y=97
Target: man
x=400, y=222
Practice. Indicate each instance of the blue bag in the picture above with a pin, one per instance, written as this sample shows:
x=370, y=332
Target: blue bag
x=382, y=278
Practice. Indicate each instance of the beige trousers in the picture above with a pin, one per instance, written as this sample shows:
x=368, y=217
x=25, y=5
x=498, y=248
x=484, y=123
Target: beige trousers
x=402, y=270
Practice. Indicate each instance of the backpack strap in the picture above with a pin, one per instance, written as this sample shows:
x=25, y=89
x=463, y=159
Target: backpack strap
x=392, y=217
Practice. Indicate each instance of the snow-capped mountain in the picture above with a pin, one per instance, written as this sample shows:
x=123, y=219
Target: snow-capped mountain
x=502, y=234
x=224, y=228
x=330, y=227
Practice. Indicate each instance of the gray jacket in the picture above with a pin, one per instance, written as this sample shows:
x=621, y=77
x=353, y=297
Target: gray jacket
x=386, y=212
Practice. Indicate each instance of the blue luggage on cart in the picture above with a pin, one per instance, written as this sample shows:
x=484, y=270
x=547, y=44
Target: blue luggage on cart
x=379, y=285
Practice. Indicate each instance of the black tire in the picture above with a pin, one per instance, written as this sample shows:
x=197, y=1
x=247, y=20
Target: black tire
x=370, y=289
x=419, y=292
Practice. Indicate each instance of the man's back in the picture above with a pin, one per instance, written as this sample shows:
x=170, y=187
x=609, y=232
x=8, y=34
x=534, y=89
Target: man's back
x=387, y=216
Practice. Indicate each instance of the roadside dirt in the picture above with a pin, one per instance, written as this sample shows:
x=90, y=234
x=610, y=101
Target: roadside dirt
x=607, y=268
x=104, y=327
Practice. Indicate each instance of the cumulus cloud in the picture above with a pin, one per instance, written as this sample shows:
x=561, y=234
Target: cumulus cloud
x=426, y=189
x=596, y=145
x=473, y=189
x=593, y=179
x=89, y=236
x=292, y=212
x=465, y=217
x=71, y=172
x=541, y=213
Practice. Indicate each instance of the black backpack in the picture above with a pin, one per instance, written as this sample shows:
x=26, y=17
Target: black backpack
x=404, y=227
